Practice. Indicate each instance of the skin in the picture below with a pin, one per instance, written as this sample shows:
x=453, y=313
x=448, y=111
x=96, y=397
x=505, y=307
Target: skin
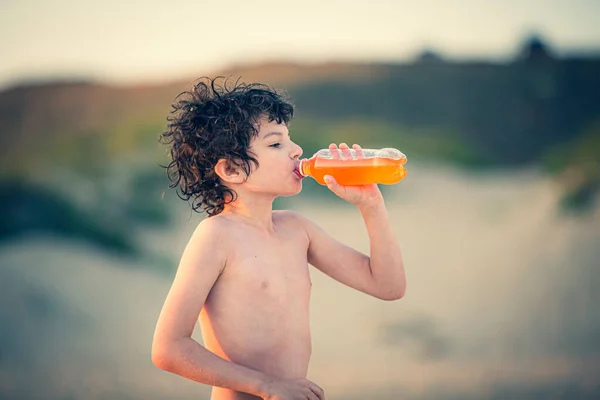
x=244, y=275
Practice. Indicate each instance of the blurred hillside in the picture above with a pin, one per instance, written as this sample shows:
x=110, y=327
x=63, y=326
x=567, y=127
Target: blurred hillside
x=475, y=113
x=536, y=110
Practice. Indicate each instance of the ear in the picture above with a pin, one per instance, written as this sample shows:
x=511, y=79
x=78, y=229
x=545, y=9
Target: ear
x=228, y=172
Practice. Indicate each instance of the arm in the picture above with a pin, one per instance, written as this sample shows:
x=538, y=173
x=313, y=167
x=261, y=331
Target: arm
x=173, y=349
x=387, y=266
x=381, y=275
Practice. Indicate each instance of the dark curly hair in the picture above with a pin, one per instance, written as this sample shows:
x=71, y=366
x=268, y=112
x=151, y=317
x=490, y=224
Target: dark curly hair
x=212, y=122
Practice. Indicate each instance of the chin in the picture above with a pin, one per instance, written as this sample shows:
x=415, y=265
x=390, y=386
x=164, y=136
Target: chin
x=288, y=194
x=293, y=191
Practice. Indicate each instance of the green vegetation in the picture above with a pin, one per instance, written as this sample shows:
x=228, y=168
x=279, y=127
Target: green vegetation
x=417, y=143
x=534, y=111
x=507, y=114
x=577, y=165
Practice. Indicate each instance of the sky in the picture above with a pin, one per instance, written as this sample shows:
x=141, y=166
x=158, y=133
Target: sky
x=136, y=41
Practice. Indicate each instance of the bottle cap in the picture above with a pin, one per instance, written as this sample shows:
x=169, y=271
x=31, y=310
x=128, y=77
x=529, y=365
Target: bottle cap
x=300, y=169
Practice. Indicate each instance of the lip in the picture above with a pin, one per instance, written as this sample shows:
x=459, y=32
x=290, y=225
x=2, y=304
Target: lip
x=297, y=171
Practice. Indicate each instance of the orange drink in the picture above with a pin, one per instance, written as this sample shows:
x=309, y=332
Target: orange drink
x=385, y=166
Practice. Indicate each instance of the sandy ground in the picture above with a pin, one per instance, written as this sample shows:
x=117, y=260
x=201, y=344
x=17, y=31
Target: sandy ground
x=500, y=303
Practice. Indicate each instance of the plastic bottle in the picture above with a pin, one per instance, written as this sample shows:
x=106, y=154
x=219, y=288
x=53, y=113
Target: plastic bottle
x=385, y=166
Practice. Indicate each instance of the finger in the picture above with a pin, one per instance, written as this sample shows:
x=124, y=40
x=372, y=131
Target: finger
x=335, y=154
x=335, y=187
x=347, y=154
x=358, y=150
x=311, y=396
x=330, y=182
x=317, y=390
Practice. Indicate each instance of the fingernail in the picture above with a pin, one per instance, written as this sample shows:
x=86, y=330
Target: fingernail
x=328, y=179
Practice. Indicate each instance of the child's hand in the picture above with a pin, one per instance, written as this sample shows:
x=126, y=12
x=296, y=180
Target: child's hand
x=358, y=195
x=294, y=389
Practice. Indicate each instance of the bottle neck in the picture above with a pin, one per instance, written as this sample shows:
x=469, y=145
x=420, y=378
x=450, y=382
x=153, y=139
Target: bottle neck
x=304, y=167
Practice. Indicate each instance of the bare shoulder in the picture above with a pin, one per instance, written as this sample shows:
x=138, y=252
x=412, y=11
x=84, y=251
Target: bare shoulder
x=216, y=225
x=297, y=222
x=292, y=218
x=211, y=233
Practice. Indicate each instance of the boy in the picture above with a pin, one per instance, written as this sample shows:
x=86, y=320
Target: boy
x=244, y=273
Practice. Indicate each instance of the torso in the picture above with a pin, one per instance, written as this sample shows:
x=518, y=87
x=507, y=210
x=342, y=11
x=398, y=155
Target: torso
x=257, y=313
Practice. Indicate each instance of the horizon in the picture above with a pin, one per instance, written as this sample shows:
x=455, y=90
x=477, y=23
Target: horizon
x=74, y=79
x=141, y=45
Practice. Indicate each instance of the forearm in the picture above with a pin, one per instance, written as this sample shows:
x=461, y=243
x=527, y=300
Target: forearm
x=189, y=359
x=387, y=267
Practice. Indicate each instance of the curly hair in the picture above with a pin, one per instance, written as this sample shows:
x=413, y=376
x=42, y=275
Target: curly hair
x=212, y=122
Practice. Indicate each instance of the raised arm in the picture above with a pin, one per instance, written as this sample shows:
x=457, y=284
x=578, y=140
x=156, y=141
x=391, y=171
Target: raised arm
x=173, y=349
x=381, y=275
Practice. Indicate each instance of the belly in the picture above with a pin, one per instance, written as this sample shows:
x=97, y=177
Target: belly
x=226, y=394
x=263, y=328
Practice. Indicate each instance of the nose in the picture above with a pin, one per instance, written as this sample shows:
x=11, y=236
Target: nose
x=296, y=151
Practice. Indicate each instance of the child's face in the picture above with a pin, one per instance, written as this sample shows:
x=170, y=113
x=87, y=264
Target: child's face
x=278, y=157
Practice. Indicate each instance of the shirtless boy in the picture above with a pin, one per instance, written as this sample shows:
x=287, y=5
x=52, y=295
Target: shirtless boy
x=244, y=272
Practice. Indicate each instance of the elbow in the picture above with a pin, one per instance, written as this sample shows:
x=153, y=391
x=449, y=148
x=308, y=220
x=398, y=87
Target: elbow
x=160, y=359
x=392, y=287
x=162, y=356
x=391, y=296
x=393, y=293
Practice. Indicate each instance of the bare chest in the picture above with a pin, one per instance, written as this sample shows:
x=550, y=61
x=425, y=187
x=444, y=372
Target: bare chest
x=273, y=267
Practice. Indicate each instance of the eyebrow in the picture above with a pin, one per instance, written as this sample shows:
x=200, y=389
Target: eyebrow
x=274, y=133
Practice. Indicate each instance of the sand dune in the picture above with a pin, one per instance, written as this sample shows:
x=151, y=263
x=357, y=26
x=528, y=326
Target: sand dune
x=500, y=302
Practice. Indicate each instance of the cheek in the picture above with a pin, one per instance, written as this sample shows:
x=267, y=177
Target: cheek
x=272, y=169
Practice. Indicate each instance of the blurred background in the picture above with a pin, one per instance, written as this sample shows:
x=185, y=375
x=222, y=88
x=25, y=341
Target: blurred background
x=495, y=104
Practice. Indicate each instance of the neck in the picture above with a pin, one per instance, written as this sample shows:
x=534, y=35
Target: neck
x=256, y=211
